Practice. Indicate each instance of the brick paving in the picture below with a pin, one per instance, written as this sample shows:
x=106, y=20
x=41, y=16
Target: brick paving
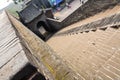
x=95, y=55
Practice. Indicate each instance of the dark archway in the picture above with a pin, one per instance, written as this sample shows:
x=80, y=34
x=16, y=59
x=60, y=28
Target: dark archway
x=43, y=25
x=42, y=30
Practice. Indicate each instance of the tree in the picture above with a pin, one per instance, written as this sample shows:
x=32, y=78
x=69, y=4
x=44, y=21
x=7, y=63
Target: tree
x=17, y=1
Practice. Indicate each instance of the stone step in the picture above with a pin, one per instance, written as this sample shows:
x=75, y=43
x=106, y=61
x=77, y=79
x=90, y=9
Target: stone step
x=112, y=69
x=13, y=66
x=109, y=73
x=6, y=32
x=7, y=39
x=9, y=45
x=117, y=54
x=102, y=24
x=113, y=63
x=8, y=54
x=102, y=76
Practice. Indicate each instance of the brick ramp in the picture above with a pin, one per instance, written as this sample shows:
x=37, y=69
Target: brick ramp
x=12, y=55
x=94, y=55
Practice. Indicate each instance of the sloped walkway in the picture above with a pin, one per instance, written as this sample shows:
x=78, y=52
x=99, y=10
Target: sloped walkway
x=95, y=55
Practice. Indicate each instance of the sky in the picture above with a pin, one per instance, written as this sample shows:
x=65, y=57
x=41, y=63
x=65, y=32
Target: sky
x=4, y=3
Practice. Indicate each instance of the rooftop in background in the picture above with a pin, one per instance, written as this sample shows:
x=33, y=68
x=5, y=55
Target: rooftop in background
x=29, y=13
x=74, y=5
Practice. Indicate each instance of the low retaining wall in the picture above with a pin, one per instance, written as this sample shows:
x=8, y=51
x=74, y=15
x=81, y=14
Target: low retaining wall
x=90, y=8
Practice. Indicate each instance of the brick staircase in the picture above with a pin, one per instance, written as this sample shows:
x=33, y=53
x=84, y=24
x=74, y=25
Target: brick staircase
x=92, y=50
x=111, y=21
x=80, y=11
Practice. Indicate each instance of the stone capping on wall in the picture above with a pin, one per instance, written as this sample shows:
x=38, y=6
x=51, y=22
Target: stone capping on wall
x=44, y=58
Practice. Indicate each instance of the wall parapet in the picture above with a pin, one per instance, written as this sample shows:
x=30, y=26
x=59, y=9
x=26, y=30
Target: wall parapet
x=43, y=57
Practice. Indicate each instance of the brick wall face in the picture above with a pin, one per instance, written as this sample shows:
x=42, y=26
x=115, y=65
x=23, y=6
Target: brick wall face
x=90, y=8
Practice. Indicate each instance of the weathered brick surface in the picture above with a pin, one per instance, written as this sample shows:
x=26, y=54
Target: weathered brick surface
x=90, y=8
x=12, y=67
x=94, y=55
x=91, y=55
x=43, y=57
x=102, y=24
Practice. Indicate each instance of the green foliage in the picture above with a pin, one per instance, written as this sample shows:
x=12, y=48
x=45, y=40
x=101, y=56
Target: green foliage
x=17, y=1
x=12, y=8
